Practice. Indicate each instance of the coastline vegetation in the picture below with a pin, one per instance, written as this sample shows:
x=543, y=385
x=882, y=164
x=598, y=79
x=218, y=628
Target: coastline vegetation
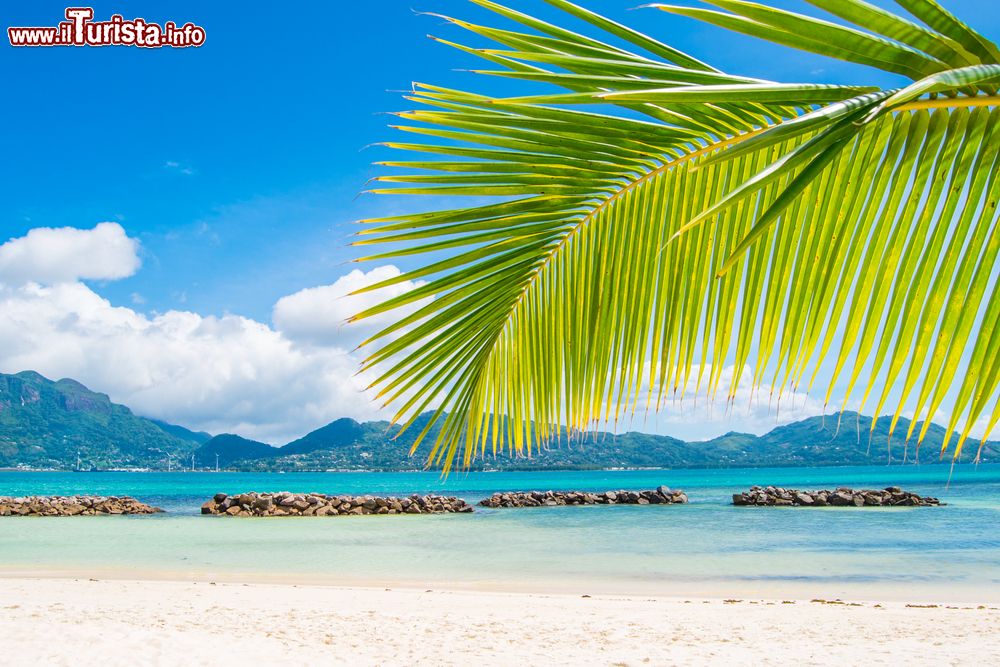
x=46, y=425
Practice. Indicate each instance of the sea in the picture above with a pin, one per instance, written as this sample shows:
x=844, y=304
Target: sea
x=707, y=548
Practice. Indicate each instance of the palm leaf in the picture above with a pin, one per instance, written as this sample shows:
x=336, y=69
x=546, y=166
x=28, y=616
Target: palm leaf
x=696, y=220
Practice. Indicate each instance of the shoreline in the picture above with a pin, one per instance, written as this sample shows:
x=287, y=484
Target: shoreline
x=546, y=470
x=868, y=592
x=174, y=622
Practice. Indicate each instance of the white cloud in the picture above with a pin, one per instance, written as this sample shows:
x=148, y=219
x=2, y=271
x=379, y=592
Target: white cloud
x=235, y=374
x=64, y=255
x=318, y=315
x=696, y=417
x=174, y=165
x=220, y=374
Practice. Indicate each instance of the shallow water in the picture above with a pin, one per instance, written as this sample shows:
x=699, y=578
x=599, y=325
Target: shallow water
x=705, y=548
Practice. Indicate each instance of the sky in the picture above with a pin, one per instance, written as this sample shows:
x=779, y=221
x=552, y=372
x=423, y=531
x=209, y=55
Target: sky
x=174, y=223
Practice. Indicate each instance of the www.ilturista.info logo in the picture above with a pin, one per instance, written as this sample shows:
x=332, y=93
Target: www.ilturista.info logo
x=81, y=30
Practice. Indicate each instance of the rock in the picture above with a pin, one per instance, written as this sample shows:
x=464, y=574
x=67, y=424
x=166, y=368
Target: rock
x=318, y=504
x=842, y=497
x=72, y=506
x=659, y=496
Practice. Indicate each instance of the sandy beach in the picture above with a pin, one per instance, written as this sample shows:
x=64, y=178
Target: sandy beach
x=114, y=622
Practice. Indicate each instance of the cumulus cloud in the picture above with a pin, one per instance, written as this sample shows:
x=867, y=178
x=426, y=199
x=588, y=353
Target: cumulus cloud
x=318, y=315
x=219, y=374
x=226, y=373
x=273, y=382
x=50, y=256
x=696, y=417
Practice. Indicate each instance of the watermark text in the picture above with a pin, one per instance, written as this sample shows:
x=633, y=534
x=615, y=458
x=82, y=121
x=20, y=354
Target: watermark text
x=80, y=29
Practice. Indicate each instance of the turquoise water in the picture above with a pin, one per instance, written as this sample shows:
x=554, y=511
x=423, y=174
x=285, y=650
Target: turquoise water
x=705, y=548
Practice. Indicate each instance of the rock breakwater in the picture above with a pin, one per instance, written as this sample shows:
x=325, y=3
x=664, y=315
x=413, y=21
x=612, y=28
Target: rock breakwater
x=659, y=496
x=72, y=506
x=891, y=496
x=319, y=504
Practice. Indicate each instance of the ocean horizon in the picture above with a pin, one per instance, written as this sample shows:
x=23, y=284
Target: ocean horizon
x=705, y=547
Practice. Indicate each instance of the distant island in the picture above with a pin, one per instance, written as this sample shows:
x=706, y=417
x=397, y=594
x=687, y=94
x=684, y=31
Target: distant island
x=63, y=425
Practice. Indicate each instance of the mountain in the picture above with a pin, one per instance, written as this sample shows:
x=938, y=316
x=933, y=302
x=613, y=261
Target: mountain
x=46, y=424
x=230, y=448
x=341, y=433
x=817, y=441
x=199, y=437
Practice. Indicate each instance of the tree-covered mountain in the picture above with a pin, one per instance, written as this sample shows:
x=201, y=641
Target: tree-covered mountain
x=201, y=437
x=348, y=445
x=46, y=424
x=339, y=434
x=227, y=448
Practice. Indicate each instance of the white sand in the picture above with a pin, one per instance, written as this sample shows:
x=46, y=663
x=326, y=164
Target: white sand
x=107, y=622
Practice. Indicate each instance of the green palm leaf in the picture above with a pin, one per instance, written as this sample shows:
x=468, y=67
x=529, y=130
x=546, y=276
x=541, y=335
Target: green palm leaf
x=699, y=220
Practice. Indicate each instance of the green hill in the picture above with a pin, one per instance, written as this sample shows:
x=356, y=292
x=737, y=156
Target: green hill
x=348, y=445
x=184, y=434
x=339, y=434
x=46, y=424
x=227, y=448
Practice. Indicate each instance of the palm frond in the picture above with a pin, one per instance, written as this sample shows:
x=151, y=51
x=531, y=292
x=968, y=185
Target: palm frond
x=698, y=220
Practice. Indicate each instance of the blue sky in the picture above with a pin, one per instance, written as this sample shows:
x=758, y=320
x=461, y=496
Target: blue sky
x=237, y=166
